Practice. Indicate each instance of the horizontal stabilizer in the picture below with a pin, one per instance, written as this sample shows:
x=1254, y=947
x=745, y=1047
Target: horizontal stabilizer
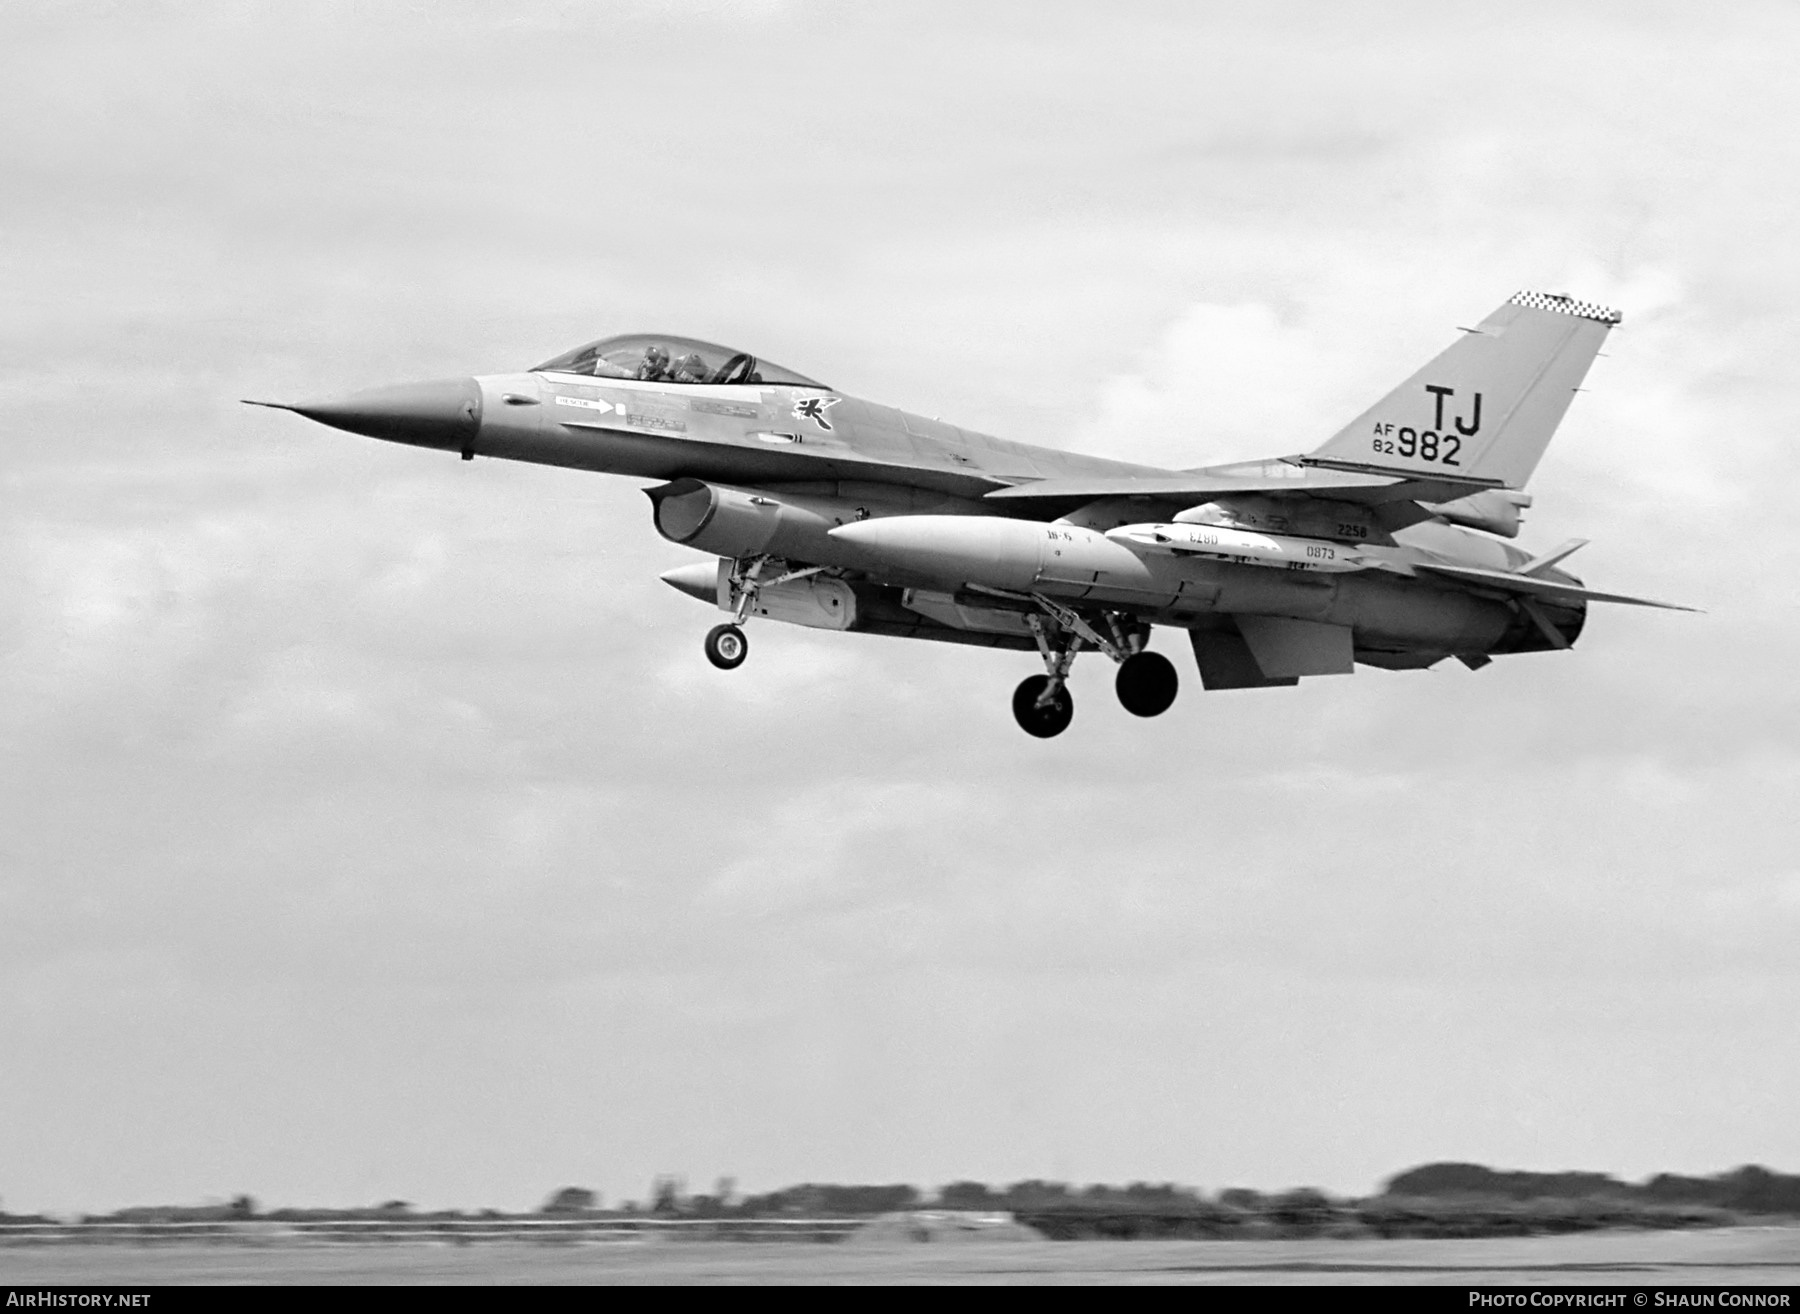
x=1532, y=586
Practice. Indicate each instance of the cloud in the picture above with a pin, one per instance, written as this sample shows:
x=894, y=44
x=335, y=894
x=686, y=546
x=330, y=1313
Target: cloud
x=1225, y=382
x=366, y=802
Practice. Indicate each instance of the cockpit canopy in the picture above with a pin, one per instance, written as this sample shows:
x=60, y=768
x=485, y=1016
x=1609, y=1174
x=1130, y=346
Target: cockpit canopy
x=657, y=358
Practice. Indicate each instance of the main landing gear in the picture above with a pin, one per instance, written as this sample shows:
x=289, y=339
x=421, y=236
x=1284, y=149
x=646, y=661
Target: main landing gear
x=1146, y=682
x=1041, y=710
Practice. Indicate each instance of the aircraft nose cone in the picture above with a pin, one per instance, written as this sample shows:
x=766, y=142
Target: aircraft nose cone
x=441, y=414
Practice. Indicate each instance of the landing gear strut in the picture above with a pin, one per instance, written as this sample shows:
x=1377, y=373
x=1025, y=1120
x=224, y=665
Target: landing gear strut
x=726, y=646
x=1042, y=705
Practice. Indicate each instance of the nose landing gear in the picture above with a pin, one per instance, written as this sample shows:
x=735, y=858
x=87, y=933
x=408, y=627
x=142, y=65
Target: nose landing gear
x=726, y=647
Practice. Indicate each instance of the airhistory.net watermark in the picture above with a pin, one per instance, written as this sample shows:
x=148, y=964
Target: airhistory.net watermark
x=77, y=1300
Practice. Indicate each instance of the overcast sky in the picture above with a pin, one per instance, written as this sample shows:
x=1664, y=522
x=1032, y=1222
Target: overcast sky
x=372, y=825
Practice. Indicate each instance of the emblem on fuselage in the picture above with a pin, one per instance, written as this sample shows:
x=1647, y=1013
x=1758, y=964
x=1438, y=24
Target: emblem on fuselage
x=813, y=408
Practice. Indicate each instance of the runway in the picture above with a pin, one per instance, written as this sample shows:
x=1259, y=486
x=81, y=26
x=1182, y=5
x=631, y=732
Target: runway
x=1723, y=1257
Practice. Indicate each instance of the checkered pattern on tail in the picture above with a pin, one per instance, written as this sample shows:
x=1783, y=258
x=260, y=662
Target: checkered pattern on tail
x=1563, y=305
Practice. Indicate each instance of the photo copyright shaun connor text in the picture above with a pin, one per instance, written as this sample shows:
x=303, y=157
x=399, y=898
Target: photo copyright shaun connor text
x=1631, y=1300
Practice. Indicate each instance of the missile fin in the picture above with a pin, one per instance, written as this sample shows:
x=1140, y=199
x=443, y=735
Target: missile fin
x=1538, y=565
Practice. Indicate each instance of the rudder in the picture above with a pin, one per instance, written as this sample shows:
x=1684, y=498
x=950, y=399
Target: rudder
x=1483, y=411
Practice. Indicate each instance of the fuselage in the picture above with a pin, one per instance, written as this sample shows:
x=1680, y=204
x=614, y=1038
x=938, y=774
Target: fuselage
x=833, y=459
x=898, y=505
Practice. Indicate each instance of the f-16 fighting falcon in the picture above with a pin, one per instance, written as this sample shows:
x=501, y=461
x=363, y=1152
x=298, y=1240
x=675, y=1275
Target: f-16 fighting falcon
x=1386, y=545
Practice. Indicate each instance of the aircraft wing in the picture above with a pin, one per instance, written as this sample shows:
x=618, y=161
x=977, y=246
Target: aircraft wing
x=1531, y=587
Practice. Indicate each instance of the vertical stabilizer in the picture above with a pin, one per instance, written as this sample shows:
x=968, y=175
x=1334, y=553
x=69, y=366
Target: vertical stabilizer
x=1484, y=409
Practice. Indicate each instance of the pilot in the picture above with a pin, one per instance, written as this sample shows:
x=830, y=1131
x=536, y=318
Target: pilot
x=656, y=363
x=691, y=368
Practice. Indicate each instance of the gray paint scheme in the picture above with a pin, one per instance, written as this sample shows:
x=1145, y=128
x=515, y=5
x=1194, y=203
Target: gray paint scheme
x=1372, y=547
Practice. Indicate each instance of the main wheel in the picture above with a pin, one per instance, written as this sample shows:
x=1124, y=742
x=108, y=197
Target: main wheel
x=1147, y=684
x=726, y=647
x=1049, y=720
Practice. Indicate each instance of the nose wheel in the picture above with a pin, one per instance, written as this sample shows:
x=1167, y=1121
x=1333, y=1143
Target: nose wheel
x=726, y=647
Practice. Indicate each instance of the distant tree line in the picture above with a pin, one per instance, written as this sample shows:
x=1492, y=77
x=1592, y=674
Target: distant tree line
x=1436, y=1200
x=1750, y=1190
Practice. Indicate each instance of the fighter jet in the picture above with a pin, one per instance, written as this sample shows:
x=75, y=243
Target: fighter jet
x=1386, y=545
